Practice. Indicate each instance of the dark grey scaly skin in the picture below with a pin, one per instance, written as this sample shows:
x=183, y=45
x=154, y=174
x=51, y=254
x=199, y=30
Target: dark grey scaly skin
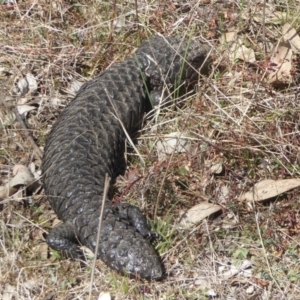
x=88, y=141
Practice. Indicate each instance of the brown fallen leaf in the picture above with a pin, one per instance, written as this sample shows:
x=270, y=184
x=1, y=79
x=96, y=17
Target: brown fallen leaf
x=290, y=35
x=197, y=213
x=9, y=292
x=270, y=16
x=259, y=281
x=25, y=85
x=217, y=168
x=24, y=109
x=22, y=177
x=244, y=53
x=244, y=270
x=229, y=37
x=104, y=296
x=269, y=188
x=176, y=142
x=280, y=64
x=237, y=49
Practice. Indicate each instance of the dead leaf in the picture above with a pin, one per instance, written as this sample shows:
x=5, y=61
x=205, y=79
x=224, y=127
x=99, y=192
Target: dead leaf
x=280, y=64
x=250, y=290
x=25, y=85
x=237, y=49
x=22, y=101
x=9, y=292
x=197, y=213
x=229, y=37
x=269, y=188
x=18, y=195
x=259, y=281
x=270, y=17
x=223, y=194
x=104, y=296
x=30, y=285
x=173, y=142
x=32, y=83
x=228, y=272
x=22, y=177
x=55, y=102
x=217, y=169
x=119, y=23
x=243, y=53
x=22, y=87
x=36, y=173
x=56, y=221
x=24, y=109
x=277, y=17
x=290, y=35
x=6, y=119
x=211, y=293
x=73, y=88
x=88, y=253
x=2, y=70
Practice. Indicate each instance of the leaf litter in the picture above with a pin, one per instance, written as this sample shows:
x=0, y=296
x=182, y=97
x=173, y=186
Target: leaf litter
x=239, y=145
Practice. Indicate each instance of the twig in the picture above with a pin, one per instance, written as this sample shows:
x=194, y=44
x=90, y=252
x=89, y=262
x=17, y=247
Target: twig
x=27, y=134
x=106, y=187
x=30, y=222
x=265, y=252
x=264, y=28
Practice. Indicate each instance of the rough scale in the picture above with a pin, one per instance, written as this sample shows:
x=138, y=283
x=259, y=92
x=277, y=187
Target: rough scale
x=88, y=141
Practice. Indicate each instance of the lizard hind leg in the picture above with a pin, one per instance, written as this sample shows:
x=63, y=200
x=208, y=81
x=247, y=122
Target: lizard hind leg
x=136, y=219
x=62, y=238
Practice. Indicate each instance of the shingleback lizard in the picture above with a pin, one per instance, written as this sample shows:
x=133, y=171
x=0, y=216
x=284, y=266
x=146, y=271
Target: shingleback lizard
x=88, y=141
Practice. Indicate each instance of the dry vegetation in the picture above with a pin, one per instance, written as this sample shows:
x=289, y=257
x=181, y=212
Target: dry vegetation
x=237, y=120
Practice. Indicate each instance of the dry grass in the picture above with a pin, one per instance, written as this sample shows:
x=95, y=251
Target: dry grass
x=235, y=118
